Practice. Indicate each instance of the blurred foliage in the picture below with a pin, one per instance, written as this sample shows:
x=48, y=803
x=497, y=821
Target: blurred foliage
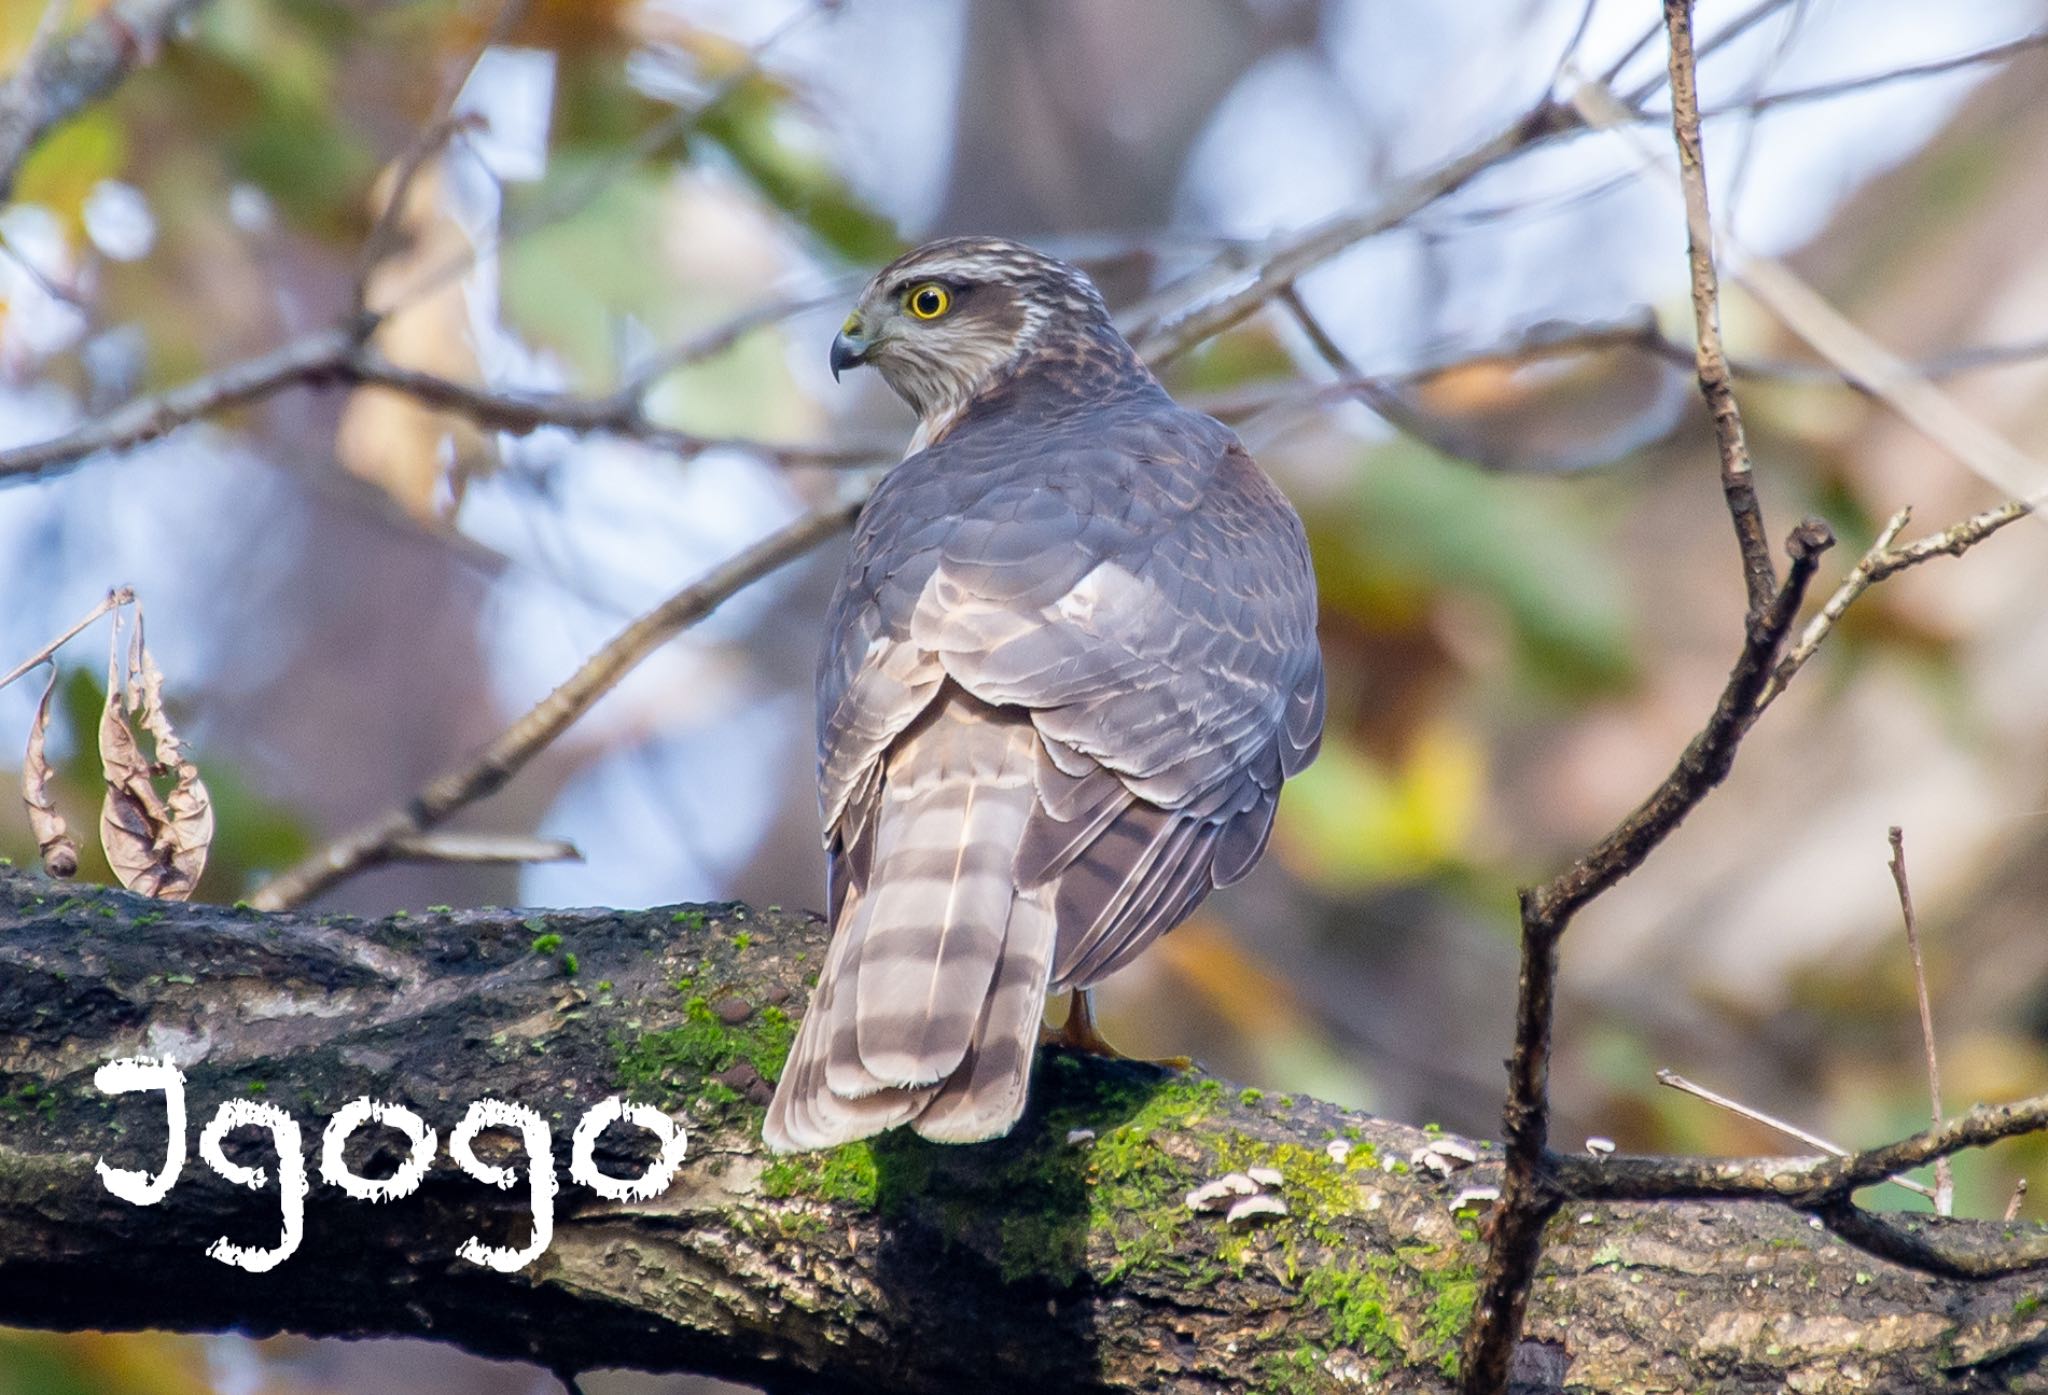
x=101, y=1363
x=1419, y=526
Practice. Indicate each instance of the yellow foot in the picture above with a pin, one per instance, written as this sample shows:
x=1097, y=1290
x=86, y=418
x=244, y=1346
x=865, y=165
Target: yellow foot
x=1078, y=1034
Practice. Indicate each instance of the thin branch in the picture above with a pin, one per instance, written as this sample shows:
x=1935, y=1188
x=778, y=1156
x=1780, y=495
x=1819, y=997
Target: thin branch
x=146, y=418
x=375, y=842
x=1909, y=1241
x=1737, y=483
x=483, y=848
x=1841, y=87
x=619, y=414
x=1528, y=1199
x=2015, y=1201
x=1771, y=1121
x=1944, y=1175
x=337, y=355
x=1805, y=1183
x=1291, y=258
x=1859, y=358
x=1550, y=339
x=119, y=596
x=1729, y=33
x=1884, y=559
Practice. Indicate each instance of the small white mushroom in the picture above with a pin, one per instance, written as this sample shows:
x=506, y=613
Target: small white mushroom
x=1448, y=1153
x=1265, y=1176
x=1434, y=1162
x=1245, y=1208
x=1339, y=1150
x=1475, y=1196
x=1076, y=1137
x=1210, y=1196
x=1599, y=1146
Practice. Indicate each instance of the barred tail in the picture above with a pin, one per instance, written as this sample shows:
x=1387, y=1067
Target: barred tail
x=928, y=1007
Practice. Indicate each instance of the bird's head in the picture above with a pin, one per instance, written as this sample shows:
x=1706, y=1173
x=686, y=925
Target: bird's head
x=945, y=321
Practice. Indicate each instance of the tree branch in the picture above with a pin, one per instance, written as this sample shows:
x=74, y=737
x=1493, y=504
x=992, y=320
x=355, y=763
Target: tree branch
x=1737, y=483
x=1064, y=1258
x=1529, y=1197
x=341, y=355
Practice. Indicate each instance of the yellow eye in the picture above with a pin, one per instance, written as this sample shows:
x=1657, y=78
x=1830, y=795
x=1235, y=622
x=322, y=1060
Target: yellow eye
x=929, y=301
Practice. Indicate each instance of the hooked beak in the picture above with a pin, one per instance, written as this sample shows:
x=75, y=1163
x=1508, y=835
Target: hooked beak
x=849, y=348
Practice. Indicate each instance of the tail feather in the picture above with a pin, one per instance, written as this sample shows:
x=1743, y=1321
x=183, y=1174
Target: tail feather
x=928, y=1005
x=959, y=791
x=985, y=1097
x=806, y=1112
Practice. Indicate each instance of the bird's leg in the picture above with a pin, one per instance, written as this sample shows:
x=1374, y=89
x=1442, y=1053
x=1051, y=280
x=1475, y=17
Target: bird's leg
x=1078, y=1032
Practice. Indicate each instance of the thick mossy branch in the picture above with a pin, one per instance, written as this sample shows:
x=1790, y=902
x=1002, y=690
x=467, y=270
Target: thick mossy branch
x=1063, y=1258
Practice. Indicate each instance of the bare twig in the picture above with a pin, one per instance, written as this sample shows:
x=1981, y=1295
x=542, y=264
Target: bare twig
x=1527, y=1197
x=1860, y=359
x=310, y=359
x=1759, y=577
x=1283, y=264
x=2017, y=1200
x=1802, y=1182
x=1770, y=1121
x=1823, y=91
x=1882, y=560
x=376, y=841
x=1554, y=339
x=1944, y=1175
x=119, y=596
x=487, y=848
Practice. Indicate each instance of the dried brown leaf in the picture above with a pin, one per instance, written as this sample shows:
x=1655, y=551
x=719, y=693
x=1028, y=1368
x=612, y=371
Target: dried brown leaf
x=156, y=845
x=60, y=851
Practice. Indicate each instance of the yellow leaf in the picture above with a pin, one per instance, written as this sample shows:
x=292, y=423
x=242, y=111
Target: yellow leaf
x=1350, y=820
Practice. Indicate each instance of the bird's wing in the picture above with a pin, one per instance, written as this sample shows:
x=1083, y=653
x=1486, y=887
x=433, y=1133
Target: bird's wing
x=1138, y=585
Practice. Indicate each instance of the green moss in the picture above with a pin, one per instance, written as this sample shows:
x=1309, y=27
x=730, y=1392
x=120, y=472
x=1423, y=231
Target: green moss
x=845, y=1174
x=1449, y=1314
x=1250, y=1096
x=688, y=919
x=29, y=1098
x=658, y=1066
x=1296, y=1372
x=742, y=940
x=1360, y=1306
x=547, y=944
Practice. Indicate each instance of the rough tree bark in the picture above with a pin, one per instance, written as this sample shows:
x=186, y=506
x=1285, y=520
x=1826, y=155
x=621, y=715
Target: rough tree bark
x=1062, y=1259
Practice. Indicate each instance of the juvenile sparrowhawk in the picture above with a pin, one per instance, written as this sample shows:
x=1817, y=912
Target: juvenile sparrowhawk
x=1070, y=661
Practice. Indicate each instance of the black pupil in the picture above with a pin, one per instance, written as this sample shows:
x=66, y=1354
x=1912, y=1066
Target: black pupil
x=928, y=301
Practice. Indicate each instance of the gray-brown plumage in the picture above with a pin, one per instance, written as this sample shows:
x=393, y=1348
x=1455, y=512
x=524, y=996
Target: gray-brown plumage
x=1070, y=662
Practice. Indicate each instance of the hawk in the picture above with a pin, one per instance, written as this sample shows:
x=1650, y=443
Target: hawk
x=1071, y=659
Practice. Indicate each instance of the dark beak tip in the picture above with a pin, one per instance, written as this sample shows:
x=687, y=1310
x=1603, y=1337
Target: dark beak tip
x=845, y=354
